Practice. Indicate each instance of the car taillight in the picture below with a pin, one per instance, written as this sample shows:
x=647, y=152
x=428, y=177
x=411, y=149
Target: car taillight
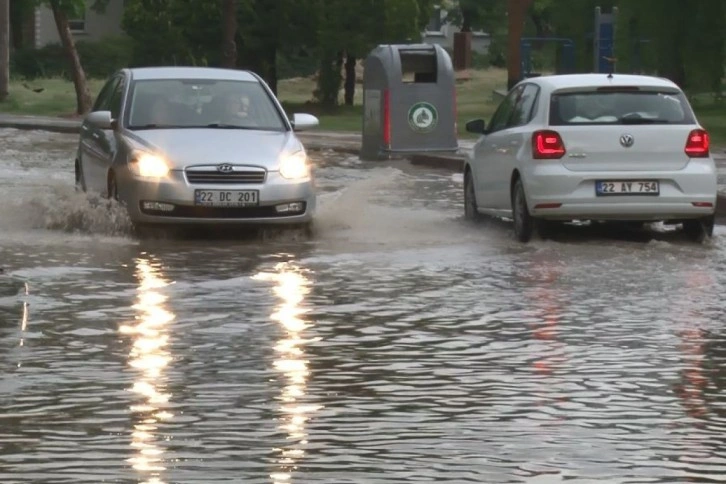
x=547, y=145
x=698, y=144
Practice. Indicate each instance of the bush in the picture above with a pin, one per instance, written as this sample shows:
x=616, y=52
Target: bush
x=99, y=58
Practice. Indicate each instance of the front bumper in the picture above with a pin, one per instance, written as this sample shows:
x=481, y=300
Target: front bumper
x=176, y=191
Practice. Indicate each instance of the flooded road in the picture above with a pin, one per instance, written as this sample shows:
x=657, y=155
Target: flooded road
x=399, y=344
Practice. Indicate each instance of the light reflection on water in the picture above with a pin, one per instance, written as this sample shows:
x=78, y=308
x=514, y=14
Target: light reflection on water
x=291, y=287
x=149, y=357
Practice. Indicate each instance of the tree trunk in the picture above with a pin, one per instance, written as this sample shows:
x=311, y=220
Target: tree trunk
x=349, y=79
x=83, y=95
x=516, y=13
x=4, y=48
x=272, y=69
x=229, y=34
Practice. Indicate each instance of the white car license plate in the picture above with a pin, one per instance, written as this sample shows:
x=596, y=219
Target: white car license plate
x=627, y=187
x=227, y=198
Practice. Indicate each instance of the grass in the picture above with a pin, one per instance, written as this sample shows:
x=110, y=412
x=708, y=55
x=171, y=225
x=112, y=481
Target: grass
x=474, y=100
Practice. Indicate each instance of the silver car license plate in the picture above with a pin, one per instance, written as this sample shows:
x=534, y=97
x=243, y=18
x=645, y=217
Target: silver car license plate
x=227, y=198
x=627, y=187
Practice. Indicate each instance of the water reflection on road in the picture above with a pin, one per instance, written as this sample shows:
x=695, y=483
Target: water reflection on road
x=400, y=344
x=149, y=357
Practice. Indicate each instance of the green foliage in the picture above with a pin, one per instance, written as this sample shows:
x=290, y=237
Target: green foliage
x=173, y=32
x=100, y=59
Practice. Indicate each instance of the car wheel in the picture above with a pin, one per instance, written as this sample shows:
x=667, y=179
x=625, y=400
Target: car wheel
x=699, y=229
x=470, y=207
x=523, y=221
x=80, y=182
x=112, y=187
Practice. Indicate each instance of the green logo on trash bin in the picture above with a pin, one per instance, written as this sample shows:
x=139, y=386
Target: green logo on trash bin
x=422, y=117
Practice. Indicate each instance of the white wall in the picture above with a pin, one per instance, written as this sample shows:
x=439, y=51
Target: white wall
x=97, y=25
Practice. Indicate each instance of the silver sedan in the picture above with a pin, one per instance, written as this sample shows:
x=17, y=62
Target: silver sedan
x=194, y=145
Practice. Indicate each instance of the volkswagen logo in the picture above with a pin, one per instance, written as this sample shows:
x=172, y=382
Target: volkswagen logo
x=627, y=140
x=225, y=168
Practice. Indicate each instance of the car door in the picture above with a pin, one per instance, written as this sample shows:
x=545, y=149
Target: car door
x=487, y=153
x=510, y=143
x=108, y=139
x=91, y=152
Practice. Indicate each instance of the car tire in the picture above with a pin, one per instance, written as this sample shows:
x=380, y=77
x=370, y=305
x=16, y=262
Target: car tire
x=80, y=182
x=112, y=187
x=470, y=207
x=523, y=221
x=698, y=230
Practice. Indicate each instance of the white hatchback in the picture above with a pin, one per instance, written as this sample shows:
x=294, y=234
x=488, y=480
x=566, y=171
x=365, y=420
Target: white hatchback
x=592, y=147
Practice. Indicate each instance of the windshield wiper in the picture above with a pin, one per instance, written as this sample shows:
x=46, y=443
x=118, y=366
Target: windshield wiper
x=158, y=126
x=228, y=126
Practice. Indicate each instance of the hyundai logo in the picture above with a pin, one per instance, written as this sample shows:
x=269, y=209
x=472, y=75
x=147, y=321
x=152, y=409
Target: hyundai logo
x=627, y=140
x=225, y=168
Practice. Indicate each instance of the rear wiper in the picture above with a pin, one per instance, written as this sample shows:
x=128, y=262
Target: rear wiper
x=639, y=120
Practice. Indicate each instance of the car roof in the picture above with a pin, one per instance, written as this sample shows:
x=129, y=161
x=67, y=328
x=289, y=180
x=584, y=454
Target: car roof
x=149, y=73
x=569, y=81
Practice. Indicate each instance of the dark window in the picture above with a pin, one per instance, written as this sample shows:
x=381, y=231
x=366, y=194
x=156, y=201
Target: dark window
x=418, y=65
x=78, y=24
x=503, y=114
x=523, y=109
x=115, y=101
x=620, y=106
x=102, y=101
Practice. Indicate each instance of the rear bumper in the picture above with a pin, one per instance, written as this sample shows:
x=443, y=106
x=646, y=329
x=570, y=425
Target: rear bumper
x=684, y=194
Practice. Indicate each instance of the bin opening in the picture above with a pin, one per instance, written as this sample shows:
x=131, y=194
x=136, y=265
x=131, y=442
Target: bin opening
x=418, y=66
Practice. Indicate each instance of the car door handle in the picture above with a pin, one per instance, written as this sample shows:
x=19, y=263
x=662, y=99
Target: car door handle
x=96, y=135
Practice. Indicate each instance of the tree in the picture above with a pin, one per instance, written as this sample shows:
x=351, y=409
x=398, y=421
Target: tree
x=229, y=33
x=4, y=48
x=347, y=30
x=61, y=9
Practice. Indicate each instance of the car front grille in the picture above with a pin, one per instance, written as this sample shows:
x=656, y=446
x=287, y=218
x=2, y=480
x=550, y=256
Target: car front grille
x=238, y=175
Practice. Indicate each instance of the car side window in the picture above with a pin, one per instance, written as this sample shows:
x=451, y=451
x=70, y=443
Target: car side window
x=104, y=96
x=116, y=98
x=501, y=117
x=522, y=113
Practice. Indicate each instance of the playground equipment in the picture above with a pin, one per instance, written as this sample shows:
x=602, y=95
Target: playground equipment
x=603, y=38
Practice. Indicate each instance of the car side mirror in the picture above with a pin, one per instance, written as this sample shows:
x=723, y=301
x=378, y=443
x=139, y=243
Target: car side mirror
x=477, y=126
x=301, y=122
x=101, y=119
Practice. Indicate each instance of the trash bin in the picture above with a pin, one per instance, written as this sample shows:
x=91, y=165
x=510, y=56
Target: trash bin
x=409, y=101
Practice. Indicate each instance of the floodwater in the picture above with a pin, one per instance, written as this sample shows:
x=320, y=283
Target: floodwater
x=398, y=344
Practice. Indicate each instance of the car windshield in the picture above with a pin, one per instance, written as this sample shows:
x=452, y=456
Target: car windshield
x=201, y=103
x=615, y=106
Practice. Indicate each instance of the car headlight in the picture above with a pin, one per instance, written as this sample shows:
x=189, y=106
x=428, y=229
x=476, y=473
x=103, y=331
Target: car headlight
x=148, y=165
x=295, y=166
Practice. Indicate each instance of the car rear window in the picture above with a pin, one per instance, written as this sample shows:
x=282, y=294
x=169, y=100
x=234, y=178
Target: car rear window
x=619, y=106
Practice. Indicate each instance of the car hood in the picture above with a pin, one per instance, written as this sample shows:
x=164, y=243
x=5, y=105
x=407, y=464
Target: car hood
x=188, y=147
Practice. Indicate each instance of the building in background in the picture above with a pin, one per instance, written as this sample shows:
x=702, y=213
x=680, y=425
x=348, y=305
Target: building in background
x=441, y=32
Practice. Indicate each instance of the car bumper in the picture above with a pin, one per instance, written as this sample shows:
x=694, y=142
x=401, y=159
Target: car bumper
x=556, y=193
x=174, y=190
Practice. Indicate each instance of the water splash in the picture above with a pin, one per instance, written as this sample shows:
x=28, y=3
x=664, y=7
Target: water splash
x=60, y=207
